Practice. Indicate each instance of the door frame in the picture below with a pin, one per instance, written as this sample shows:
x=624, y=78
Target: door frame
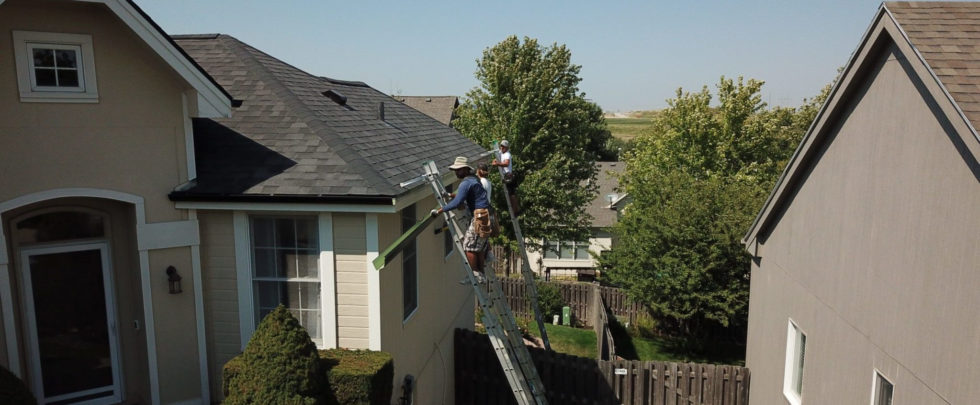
x=33, y=349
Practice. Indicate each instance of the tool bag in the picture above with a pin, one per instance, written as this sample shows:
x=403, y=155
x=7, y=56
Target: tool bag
x=482, y=223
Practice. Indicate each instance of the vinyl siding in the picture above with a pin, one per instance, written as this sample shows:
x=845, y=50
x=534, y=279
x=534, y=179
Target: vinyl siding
x=220, y=292
x=350, y=249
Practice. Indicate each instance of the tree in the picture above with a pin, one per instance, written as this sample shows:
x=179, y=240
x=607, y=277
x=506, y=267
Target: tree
x=696, y=183
x=529, y=95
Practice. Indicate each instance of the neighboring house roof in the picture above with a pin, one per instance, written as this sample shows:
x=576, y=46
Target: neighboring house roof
x=940, y=39
x=441, y=108
x=291, y=139
x=602, y=209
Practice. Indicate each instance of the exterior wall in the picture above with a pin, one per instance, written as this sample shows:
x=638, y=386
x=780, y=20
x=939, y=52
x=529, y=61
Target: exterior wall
x=350, y=248
x=875, y=256
x=422, y=345
x=220, y=293
x=600, y=240
x=131, y=141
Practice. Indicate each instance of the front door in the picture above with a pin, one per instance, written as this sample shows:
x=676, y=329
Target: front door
x=72, y=337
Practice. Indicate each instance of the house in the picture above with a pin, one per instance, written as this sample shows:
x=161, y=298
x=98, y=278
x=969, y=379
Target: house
x=160, y=194
x=864, y=279
x=442, y=108
x=571, y=259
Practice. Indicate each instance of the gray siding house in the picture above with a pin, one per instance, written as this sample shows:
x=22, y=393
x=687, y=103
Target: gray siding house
x=865, y=271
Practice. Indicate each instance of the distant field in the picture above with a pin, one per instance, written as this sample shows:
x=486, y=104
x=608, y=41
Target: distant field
x=628, y=128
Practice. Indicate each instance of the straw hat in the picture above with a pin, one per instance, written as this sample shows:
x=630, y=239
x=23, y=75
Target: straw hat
x=461, y=162
x=504, y=143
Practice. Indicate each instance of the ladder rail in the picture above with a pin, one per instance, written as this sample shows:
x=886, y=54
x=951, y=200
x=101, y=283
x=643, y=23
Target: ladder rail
x=504, y=336
x=532, y=288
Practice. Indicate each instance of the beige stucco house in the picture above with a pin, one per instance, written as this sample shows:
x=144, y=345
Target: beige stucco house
x=129, y=158
x=572, y=259
x=865, y=272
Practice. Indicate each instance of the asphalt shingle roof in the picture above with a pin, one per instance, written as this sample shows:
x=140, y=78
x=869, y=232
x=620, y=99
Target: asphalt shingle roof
x=604, y=216
x=441, y=108
x=289, y=139
x=947, y=35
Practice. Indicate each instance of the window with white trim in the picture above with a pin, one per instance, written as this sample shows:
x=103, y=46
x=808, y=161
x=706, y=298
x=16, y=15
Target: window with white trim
x=55, y=67
x=410, y=267
x=286, y=270
x=566, y=250
x=881, y=390
x=795, y=355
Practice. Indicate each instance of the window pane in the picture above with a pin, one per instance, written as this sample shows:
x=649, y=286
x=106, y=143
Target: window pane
x=566, y=250
x=883, y=394
x=285, y=232
x=306, y=234
x=311, y=321
x=265, y=263
x=582, y=251
x=268, y=294
x=801, y=353
x=45, y=77
x=302, y=295
x=65, y=58
x=43, y=57
x=262, y=232
x=308, y=263
x=67, y=78
x=62, y=225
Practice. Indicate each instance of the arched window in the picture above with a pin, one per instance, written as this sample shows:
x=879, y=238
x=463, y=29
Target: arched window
x=58, y=225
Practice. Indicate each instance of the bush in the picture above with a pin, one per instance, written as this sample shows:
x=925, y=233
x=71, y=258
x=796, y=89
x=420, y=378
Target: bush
x=13, y=391
x=280, y=365
x=549, y=300
x=358, y=376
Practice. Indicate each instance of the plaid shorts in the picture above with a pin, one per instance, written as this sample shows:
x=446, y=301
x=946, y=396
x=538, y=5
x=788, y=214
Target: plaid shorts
x=472, y=242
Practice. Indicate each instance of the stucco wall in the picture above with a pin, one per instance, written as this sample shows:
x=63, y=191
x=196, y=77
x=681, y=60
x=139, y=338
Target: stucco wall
x=875, y=257
x=422, y=345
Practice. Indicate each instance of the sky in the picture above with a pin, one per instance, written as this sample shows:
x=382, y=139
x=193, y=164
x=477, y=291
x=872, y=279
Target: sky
x=634, y=54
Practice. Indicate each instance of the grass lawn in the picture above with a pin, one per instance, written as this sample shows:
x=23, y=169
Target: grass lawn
x=673, y=349
x=628, y=128
x=569, y=340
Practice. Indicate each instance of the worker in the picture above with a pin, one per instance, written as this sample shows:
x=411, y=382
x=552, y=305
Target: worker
x=471, y=192
x=507, y=163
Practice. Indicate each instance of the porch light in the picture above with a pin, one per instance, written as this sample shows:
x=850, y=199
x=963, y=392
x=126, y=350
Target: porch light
x=173, y=280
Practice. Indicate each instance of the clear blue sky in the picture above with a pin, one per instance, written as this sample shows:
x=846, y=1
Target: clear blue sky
x=634, y=54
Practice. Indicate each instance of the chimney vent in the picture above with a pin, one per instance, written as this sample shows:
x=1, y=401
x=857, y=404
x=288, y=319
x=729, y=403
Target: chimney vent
x=381, y=111
x=336, y=97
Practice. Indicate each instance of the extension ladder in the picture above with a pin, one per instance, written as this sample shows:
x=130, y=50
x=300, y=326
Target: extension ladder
x=532, y=289
x=508, y=344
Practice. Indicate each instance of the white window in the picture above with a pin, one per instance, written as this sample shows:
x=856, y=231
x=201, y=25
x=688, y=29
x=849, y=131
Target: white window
x=881, y=390
x=410, y=267
x=795, y=354
x=55, y=67
x=285, y=269
x=566, y=250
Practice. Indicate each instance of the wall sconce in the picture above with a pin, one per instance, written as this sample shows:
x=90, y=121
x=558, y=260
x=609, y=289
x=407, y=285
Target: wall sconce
x=173, y=280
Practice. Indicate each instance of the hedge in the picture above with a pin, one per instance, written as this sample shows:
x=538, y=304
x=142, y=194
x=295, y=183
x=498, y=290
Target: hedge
x=358, y=376
x=13, y=391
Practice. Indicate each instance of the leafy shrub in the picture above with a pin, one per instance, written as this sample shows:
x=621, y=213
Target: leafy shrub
x=358, y=376
x=549, y=299
x=280, y=365
x=13, y=391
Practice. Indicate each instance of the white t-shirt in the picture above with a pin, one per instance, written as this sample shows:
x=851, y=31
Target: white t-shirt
x=505, y=157
x=486, y=185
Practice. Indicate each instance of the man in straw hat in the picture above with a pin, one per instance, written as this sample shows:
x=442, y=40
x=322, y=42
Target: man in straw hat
x=474, y=195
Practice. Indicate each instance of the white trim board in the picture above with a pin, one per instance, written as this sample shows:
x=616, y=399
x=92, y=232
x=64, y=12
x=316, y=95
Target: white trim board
x=285, y=207
x=374, y=282
x=202, y=347
x=243, y=271
x=328, y=282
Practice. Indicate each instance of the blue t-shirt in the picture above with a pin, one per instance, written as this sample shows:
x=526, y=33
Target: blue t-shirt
x=471, y=191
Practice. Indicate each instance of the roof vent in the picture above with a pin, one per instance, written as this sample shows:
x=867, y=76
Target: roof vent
x=428, y=99
x=381, y=111
x=336, y=97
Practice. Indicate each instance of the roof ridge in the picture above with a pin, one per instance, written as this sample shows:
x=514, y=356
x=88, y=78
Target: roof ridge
x=337, y=143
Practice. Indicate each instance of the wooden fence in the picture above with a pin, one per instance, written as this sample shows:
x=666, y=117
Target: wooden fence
x=605, y=344
x=578, y=380
x=578, y=296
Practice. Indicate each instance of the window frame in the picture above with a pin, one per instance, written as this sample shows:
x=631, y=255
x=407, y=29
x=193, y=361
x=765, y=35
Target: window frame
x=24, y=44
x=876, y=377
x=560, y=247
x=254, y=278
x=794, y=335
x=407, y=218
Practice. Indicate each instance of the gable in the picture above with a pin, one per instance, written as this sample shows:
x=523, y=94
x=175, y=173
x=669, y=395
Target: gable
x=884, y=35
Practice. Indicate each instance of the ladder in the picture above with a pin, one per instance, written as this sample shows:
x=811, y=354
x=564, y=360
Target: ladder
x=508, y=344
x=532, y=289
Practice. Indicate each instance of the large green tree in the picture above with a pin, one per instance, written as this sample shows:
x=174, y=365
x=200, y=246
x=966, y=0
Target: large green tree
x=528, y=94
x=696, y=182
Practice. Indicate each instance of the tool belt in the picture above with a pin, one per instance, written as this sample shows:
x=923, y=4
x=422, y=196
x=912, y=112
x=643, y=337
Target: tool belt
x=481, y=222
